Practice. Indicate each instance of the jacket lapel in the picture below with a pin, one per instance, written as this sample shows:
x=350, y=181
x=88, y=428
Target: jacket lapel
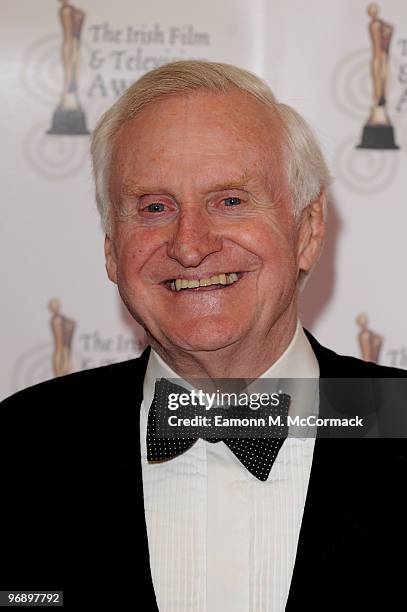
x=131, y=480
x=329, y=528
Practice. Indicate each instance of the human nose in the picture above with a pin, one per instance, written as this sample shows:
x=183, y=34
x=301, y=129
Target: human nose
x=194, y=238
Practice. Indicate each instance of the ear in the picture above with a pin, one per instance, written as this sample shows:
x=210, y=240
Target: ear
x=110, y=259
x=311, y=233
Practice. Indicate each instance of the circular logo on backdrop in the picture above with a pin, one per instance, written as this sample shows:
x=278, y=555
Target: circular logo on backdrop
x=351, y=84
x=78, y=73
x=72, y=349
x=364, y=172
x=363, y=89
x=54, y=158
x=35, y=366
x=41, y=69
x=51, y=70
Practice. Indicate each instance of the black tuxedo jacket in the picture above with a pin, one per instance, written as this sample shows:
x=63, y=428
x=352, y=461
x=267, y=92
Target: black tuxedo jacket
x=72, y=514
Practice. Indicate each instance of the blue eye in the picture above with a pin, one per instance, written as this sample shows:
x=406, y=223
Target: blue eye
x=232, y=201
x=155, y=207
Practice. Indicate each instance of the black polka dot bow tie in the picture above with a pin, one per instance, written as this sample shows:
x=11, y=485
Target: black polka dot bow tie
x=257, y=454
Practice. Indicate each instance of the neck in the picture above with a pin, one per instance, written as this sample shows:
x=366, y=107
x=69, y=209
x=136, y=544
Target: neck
x=244, y=359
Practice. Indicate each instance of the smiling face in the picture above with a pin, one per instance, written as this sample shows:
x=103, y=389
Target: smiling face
x=204, y=247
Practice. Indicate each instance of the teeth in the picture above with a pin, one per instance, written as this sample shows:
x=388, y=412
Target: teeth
x=219, y=279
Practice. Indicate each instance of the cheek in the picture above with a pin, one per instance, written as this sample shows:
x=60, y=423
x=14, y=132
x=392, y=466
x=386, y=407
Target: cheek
x=280, y=270
x=274, y=247
x=132, y=254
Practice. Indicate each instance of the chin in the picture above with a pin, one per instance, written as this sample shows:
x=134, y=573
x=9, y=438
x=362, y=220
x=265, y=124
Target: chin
x=204, y=336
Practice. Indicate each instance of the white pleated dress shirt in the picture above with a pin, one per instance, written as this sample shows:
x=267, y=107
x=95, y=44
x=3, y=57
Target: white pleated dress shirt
x=219, y=539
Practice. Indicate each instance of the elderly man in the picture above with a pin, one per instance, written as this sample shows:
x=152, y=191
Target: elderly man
x=212, y=198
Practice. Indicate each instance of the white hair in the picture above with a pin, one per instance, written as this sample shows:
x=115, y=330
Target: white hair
x=306, y=171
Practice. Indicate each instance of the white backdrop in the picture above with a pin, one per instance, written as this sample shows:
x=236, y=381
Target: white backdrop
x=315, y=55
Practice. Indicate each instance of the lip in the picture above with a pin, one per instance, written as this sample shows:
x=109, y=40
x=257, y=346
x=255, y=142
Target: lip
x=166, y=285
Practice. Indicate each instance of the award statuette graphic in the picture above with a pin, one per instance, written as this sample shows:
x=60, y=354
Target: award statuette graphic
x=370, y=343
x=378, y=133
x=69, y=118
x=62, y=330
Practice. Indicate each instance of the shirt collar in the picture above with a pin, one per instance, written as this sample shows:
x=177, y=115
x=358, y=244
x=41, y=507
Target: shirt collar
x=297, y=361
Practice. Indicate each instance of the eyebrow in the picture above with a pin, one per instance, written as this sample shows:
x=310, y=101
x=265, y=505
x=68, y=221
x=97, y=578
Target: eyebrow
x=232, y=184
x=134, y=189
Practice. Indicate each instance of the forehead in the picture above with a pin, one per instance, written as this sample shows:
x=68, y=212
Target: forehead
x=197, y=139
